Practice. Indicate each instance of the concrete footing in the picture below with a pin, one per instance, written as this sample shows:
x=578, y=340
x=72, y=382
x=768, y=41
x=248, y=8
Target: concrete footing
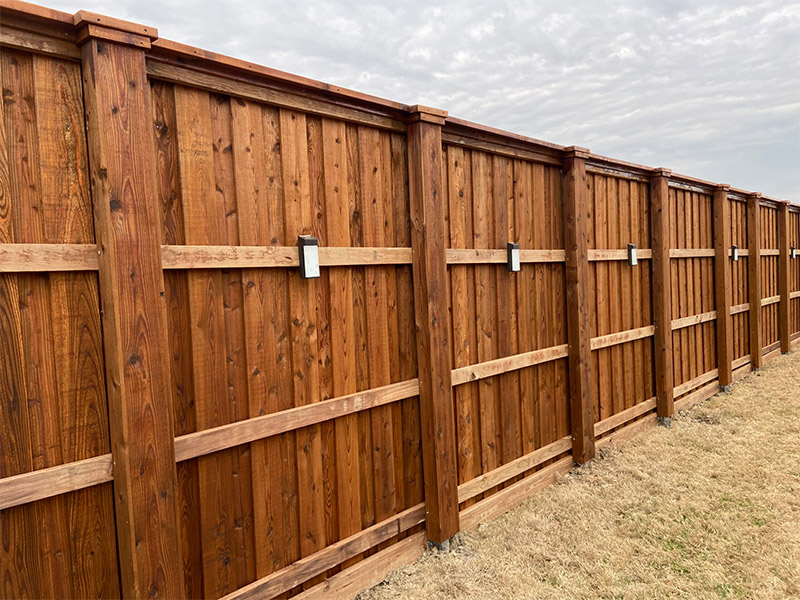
x=665, y=422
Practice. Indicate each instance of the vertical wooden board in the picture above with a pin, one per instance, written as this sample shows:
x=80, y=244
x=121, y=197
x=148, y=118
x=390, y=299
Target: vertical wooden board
x=77, y=335
x=198, y=119
x=179, y=340
x=485, y=309
x=298, y=219
x=543, y=318
x=646, y=293
x=523, y=228
x=41, y=438
x=601, y=218
x=376, y=293
x=508, y=383
x=636, y=295
x=557, y=289
x=626, y=296
x=459, y=195
x=407, y=347
x=342, y=336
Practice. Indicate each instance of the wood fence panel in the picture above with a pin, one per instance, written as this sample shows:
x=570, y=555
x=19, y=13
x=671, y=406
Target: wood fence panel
x=794, y=271
x=237, y=172
x=53, y=408
x=492, y=200
x=769, y=275
x=621, y=294
x=694, y=347
x=739, y=280
x=295, y=403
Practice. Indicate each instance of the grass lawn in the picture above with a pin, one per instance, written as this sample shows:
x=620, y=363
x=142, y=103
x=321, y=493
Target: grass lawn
x=707, y=509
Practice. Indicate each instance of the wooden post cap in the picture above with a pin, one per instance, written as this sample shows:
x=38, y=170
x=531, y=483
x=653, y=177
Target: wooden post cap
x=661, y=172
x=93, y=26
x=576, y=152
x=723, y=186
x=418, y=112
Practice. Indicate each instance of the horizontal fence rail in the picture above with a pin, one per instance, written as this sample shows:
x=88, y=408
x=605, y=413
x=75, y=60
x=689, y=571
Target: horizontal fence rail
x=184, y=414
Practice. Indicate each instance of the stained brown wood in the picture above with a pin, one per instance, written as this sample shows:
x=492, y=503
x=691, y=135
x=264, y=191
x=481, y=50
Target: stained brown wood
x=30, y=258
x=621, y=418
x=488, y=255
x=433, y=340
x=754, y=278
x=255, y=428
x=53, y=481
x=511, y=469
x=240, y=257
x=513, y=495
x=577, y=276
x=660, y=223
x=347, y=584
x=722, y=284
x=784, y=278
x=145, y=485
x=507, y=364
x=314, y=564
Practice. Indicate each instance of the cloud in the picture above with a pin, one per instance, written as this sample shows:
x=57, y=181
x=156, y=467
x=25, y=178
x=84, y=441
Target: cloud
x=708, y=89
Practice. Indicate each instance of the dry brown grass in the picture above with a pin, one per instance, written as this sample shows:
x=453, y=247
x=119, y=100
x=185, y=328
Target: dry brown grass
x=708, y=509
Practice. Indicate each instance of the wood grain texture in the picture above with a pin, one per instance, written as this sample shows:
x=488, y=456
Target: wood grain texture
x=134, y=317
x=722, y=285
x=662, y=294
x=433, y=339
x=754, y=279
x=577, y=277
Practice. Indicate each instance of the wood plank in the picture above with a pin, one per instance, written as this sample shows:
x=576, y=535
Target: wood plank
x=722, y=284
x=134, y=329
x=622, y=337
x=784, y=279
x=622, y=435
x=500, y=149
x=754, y=278
x=314, y=564
x=770, y=252
x=769, y=301
x=513, y=495
x=704, y=393
x=794, y=295
x=613, y=255
x=623, y=417
x=575, y=200
x=511, y=469
x=31, y=258
x=38, y=43
x=249, y=91
x=508, y=364
x=474, y=256
x=662, y=296
x=348, y=583
x=695, y=382
x=54, y=481
x=242, y=257
x=342, y=324
x=427, y=196
x=740, y=308
x=692, y=253
x=693, y=320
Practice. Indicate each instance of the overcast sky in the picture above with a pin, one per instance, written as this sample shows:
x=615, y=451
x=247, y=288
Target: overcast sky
x=708, y=89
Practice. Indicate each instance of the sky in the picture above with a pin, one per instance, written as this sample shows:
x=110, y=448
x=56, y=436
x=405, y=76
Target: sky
x=708, y=89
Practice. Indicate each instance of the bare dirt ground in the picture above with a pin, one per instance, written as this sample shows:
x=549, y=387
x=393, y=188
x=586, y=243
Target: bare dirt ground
x=708, y=509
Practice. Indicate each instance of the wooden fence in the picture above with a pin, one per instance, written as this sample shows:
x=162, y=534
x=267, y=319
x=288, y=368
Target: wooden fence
x=182, y=415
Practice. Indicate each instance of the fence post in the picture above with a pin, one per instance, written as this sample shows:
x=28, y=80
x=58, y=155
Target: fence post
x=118, y=115
x=662, y=294
x=754, y=278
x=722, y=285
x=576, y=191
x=783, y=277
x=428, y=236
